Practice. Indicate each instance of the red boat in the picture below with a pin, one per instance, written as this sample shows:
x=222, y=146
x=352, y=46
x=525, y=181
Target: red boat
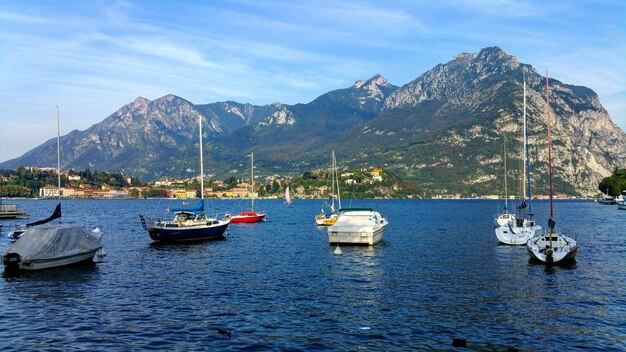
x=247, y=217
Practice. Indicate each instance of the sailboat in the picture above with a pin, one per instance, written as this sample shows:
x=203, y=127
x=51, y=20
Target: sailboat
x=506, y=218
x=287, y=196
x=42, y=245
x=249, y=216
x=324, y=219
x=522, y=225
x=551, y=247
x=189, y=223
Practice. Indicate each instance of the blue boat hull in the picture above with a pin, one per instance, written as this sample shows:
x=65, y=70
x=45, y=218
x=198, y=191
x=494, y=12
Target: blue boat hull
x=181, y=234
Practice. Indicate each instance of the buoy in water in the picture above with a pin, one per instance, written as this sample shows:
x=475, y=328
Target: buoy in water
x=338, y=251
x=101, y=252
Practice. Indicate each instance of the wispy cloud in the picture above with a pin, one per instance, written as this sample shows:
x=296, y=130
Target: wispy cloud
x=95, y=57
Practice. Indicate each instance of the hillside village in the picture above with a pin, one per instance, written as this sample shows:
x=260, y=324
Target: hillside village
x=370, y=182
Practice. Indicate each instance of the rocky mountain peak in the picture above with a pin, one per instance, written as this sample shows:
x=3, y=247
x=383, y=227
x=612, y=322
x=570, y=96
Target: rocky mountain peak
x=140, y=101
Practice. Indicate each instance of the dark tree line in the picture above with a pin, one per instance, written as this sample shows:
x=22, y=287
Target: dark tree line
x=614, y=184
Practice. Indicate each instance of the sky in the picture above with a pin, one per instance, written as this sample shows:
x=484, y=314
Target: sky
x=93, y=57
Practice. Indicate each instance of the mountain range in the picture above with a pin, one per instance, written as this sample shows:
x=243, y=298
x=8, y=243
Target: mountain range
x=443, y=132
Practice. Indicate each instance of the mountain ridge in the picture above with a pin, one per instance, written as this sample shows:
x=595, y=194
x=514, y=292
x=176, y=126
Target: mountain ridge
x=443, y=131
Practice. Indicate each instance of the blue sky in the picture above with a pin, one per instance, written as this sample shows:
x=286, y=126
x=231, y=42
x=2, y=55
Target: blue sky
x=93, y=57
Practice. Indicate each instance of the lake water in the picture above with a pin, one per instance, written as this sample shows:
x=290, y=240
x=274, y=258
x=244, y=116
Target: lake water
x=439, y=274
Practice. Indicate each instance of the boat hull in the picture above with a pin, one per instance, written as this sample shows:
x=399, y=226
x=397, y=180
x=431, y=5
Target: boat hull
x=364, y=236
x=321, y=220
x=516, y=236
x=563, y=249
x=165, y=233
x=33, y=265
x=247, y=217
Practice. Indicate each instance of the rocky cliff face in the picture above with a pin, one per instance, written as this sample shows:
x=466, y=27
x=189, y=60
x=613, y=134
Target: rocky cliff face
x=443, y=131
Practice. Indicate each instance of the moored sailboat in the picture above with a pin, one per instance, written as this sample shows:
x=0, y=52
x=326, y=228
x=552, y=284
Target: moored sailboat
x=249, y=216
x=191, y=223
x=324, y=219
x=551, y=247
x=506, y=218
x=522, y=226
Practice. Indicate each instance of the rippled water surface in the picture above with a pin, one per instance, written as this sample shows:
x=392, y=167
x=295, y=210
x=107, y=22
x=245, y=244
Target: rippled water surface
x=439, y=274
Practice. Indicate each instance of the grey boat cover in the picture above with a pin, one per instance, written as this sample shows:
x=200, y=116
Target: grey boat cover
x=55, y=241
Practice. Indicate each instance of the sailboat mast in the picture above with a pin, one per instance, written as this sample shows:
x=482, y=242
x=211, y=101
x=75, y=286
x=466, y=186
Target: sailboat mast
x=551, y=221
x=336, y=179
x=549, y=143
x=201, y=161
x=525, y=143
x=526, y=153
x=506, y=189
x=252, y=178
x=332, y=182
x=58, y=154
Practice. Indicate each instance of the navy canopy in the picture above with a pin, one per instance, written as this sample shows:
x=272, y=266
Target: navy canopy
x=198, y=208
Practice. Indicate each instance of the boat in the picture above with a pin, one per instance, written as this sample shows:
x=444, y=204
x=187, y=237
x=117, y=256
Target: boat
x=189, y=223
x=10, y=211
x=621, y=205
x=52, y=245
x=506, y=218
x=551, y=246
x=606, y=199
x=519, y=228
x=362, y=226
x=20, y=229
x=249, y=216
x=287, y=196
x=324, y=219
x=44, y=245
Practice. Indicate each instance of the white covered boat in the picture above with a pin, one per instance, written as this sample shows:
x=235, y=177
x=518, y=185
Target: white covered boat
x=357, y=226
x=51, y=246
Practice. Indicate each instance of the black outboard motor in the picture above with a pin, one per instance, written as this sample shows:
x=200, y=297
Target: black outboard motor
x=11, y=262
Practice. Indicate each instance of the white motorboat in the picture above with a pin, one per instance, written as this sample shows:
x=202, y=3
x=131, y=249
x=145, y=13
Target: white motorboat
x=621, y=205
x=551, y=247
x=51, y=246
x=519, y=228
x=357, y=226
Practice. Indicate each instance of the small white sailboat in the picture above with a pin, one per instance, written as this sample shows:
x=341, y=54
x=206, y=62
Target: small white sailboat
x=519, y=228
x=43, y=245
x=287, y=196
x=551, y=247
x=324, y=219
x=506, y=218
